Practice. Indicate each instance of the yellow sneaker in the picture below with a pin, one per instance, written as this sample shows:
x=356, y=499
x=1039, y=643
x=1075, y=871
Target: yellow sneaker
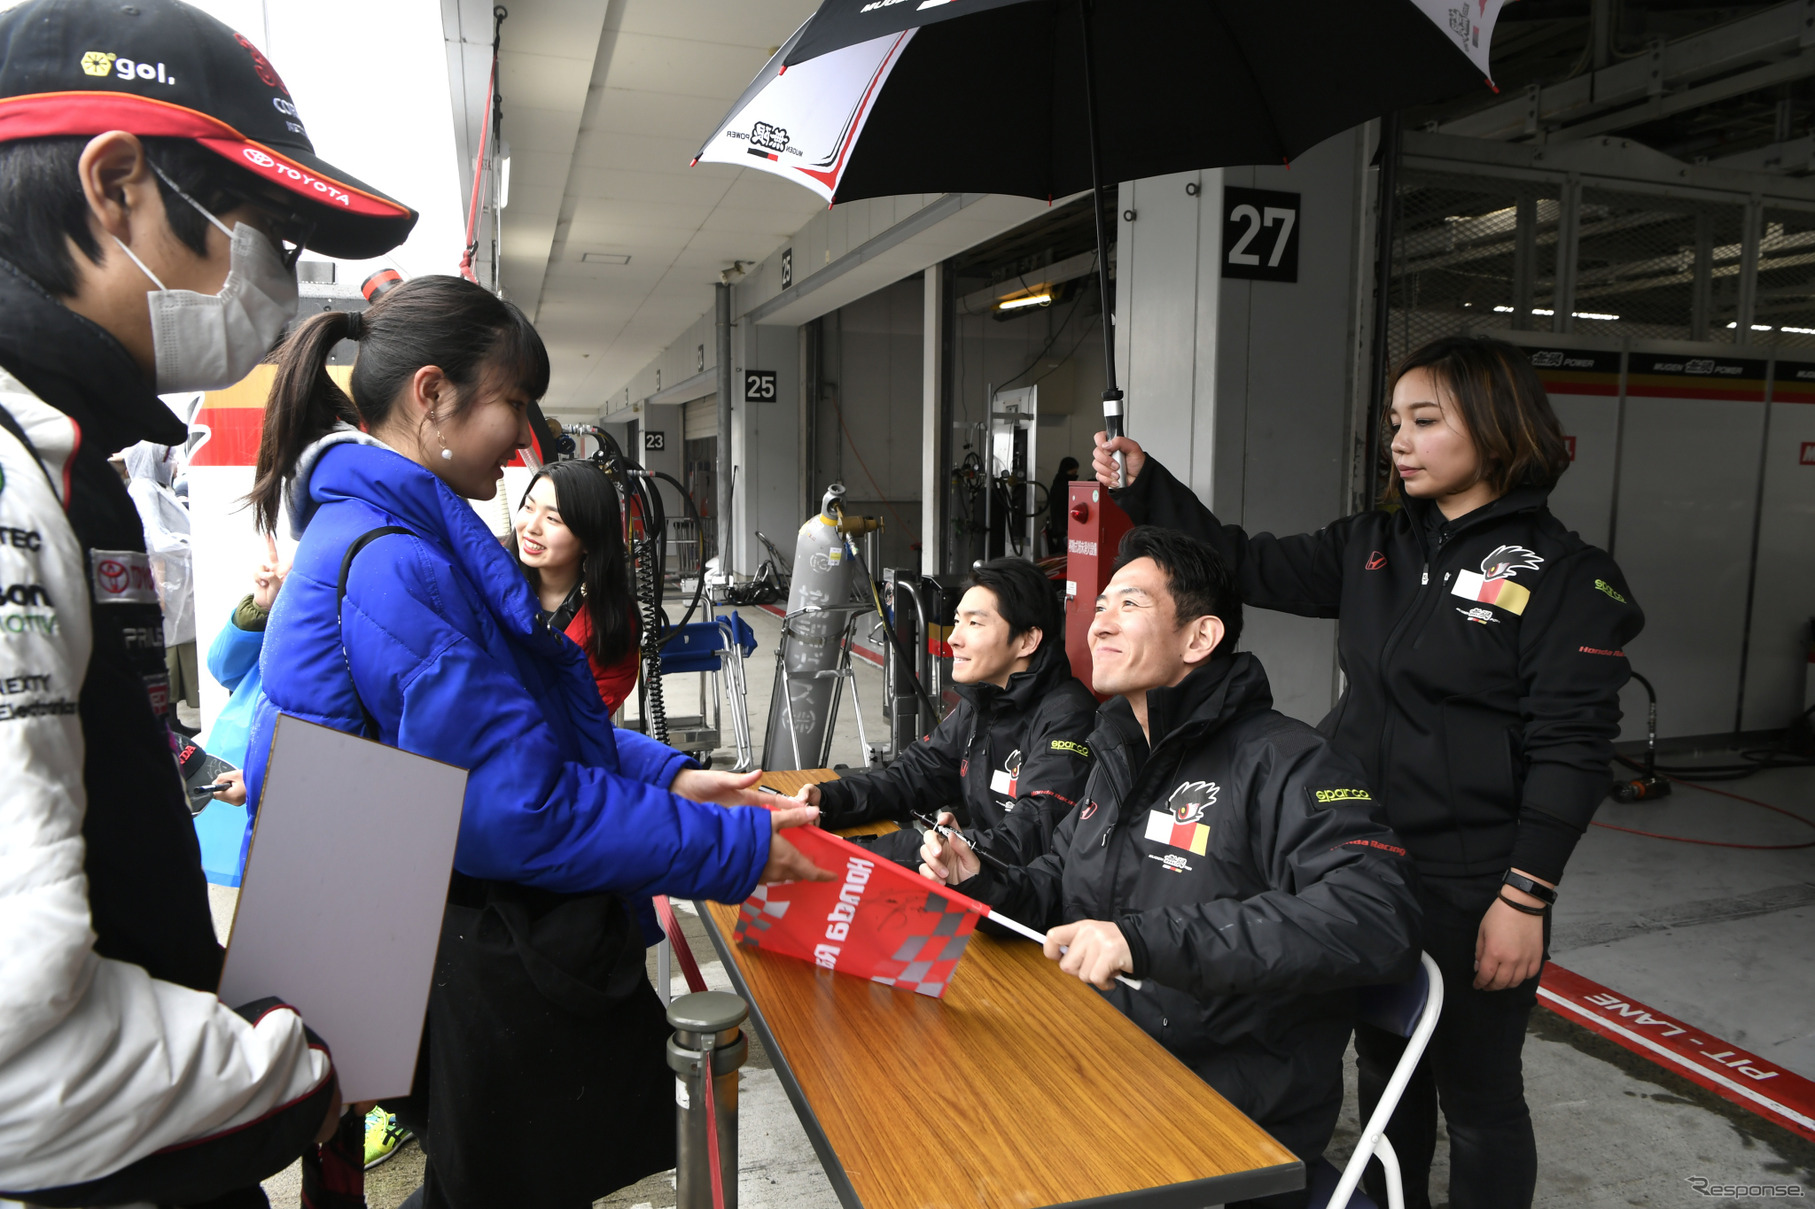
x=383, y=1136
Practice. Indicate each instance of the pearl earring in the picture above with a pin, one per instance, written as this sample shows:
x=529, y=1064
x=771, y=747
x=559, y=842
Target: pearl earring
x=447, y=455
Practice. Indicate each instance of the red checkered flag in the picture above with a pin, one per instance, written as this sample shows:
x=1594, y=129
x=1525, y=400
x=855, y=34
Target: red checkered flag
x=874, y=919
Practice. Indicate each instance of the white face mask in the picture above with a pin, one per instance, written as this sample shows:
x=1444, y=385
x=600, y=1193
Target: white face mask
x=209, y=341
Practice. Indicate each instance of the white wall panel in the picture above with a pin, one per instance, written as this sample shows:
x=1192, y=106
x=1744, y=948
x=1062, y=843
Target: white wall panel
x=1687, y=498
x=1783, y=597
x=1584, y=385
x=1159, y=306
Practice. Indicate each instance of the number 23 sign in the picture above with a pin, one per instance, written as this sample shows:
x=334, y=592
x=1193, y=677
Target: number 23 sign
x=1260, y=235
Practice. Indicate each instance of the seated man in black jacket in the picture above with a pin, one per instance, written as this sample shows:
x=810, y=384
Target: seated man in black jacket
x=1225, y=854
x=1011, y=760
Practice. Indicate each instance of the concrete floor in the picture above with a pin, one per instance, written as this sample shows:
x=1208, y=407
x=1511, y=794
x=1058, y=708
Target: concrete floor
x=1719, y=937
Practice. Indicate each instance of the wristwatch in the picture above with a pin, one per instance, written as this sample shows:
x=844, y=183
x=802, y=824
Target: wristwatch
x=1536, y=889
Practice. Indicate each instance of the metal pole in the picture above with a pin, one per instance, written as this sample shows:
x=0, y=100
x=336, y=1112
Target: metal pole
x=932, y=414
x=1569, y=242
x=706, y=1032
x=1383, y=291
x=1701, y=297
x=1751, y=236
x=1112, y=395
x=1600, y=21
x=722, y=477
x=1525, y=255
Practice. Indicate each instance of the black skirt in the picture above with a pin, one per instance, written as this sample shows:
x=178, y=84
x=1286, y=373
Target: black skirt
x=547, y=1084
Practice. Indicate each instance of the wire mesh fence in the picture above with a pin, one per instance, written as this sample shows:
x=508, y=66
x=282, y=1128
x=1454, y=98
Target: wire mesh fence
x=1657, y=268
x=1472, y=253
x=1786, y=278
x=690, y=543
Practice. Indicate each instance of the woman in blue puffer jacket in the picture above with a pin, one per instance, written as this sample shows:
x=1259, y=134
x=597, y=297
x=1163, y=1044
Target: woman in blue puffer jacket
x=542, y=1081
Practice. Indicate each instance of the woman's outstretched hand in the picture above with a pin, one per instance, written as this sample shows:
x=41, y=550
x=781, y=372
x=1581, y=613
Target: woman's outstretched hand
x=724, y=788
x=786, y=864
x=1102, y=460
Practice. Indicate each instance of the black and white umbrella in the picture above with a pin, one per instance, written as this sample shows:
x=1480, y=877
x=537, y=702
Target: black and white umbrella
x=1045, y=98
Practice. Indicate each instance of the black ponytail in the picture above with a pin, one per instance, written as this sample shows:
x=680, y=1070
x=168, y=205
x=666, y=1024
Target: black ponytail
x=588, y=504
x=305, y=405
x=446, y=322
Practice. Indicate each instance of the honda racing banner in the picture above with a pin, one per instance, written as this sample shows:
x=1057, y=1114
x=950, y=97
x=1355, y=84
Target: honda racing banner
x=874, y=919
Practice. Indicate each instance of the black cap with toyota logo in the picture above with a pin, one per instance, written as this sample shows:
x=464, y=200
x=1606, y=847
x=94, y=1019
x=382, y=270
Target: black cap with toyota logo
x=160, y=68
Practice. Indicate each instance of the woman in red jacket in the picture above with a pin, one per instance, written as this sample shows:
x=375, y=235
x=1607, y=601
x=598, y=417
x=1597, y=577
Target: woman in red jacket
x=570, y=541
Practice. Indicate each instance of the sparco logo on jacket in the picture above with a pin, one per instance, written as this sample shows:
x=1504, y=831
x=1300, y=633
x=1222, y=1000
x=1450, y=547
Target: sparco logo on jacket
x=122, y=577
x=1181, y=824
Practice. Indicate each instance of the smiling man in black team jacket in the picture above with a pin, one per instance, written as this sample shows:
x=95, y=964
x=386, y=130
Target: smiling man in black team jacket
x=130, y=265
x=1012, y=758
x=1225, y=854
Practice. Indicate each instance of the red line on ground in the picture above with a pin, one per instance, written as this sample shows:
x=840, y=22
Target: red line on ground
x=1733, y=1074
x=859, y=651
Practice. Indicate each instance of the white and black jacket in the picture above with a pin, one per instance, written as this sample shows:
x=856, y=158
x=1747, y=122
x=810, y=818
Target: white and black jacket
x=122, y=1076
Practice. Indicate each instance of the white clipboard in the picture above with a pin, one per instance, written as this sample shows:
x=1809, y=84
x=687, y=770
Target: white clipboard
x=340, y=908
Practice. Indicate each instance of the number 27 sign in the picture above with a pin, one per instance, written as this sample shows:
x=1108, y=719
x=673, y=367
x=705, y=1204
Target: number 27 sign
x=1260, y=234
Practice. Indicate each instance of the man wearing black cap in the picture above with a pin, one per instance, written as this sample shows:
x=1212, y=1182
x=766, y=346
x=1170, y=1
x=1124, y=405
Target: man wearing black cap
x=156, y=187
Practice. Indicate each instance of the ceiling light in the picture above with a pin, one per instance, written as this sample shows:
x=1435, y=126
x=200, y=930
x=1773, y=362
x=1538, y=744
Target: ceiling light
x=605, y=258
x=1503, y=310
x=1761, y=327
x=504, y=184
x=1592, y=315
x=1014, y=304
x=1800, y=331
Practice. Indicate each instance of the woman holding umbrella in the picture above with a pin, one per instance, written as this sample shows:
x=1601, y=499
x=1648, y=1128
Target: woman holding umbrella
x=1483, y=649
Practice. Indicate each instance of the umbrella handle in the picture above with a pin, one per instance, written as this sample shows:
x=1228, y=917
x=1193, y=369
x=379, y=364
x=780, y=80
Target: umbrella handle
x=1112, y=428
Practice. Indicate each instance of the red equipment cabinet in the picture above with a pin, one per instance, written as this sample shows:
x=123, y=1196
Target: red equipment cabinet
x=1092, y=536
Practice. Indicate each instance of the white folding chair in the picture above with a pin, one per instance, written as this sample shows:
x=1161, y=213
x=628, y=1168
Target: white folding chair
x=1409, y=1009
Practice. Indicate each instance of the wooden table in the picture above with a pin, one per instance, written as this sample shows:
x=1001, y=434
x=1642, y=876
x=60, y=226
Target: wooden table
x=1022, y=1087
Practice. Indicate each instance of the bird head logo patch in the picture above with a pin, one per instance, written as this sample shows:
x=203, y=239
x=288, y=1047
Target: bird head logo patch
x=1181, y=825
x=1494, y=584
x=1006, y=780
x=1508, y=561
x=1192, y=800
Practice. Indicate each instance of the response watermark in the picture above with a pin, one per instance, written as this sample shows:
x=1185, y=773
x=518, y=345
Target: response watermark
x=1708, y=1187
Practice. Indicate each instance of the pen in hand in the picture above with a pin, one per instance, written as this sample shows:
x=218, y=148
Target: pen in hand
x=952, y=833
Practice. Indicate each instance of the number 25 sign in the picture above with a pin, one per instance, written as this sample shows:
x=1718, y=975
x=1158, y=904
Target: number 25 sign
x=1260, y=235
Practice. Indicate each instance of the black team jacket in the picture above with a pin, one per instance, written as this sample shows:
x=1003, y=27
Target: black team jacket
x=1483, y=660
x=1009, y=762
x=1246, y=863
